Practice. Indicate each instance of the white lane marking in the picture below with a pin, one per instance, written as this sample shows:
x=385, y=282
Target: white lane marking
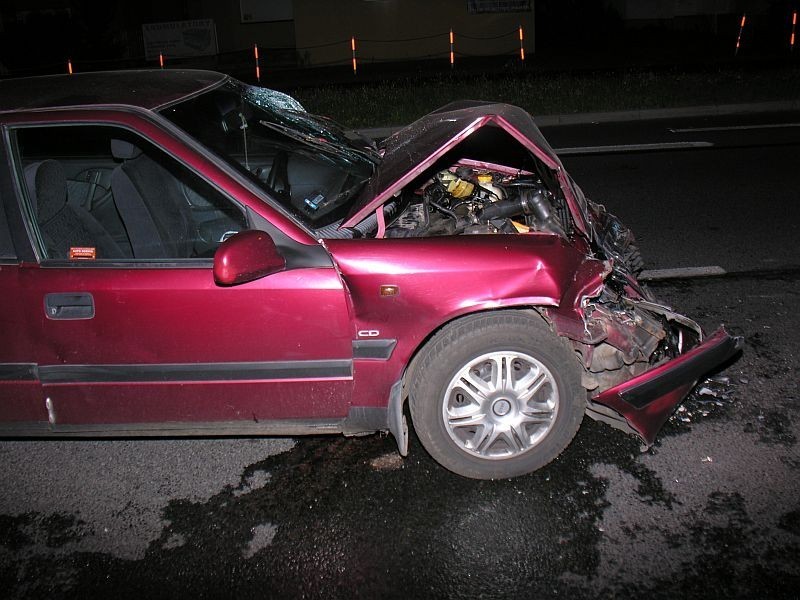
x=681, y=273
x=631, y=148
x=734, y=127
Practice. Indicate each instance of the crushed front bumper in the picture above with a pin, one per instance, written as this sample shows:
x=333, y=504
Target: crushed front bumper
x=646, y=401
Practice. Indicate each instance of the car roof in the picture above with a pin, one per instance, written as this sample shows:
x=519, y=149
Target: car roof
x=147, y=89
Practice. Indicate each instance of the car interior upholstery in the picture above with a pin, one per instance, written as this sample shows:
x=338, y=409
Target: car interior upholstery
x=63, y=225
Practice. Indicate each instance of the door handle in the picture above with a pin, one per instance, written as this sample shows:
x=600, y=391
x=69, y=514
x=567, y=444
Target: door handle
x=69, y=306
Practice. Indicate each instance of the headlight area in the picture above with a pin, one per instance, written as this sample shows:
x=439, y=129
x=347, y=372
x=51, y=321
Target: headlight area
x=639, y=359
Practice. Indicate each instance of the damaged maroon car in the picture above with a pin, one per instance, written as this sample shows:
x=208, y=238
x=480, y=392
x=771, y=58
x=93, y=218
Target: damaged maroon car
x=184, y=254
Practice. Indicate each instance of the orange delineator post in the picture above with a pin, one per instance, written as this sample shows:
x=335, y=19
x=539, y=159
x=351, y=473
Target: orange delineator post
x=521, y=45
x=739, y=38
x=452, y=53
x=258, y=68
x=160, y=60
x=794, y=28
x=353, y=49
x=69, y=66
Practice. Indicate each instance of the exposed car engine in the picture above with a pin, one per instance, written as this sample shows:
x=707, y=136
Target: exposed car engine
x=468, y=200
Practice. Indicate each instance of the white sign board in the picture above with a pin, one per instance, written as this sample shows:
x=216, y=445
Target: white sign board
x=178, y=39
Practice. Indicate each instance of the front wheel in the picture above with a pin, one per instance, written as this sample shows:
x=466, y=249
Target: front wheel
x=496, y=395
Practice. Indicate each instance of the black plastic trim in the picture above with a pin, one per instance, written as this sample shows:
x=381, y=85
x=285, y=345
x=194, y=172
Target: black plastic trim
x=301, y=369
x=69, y=306
x=365, y=419
x=18, y=372
x=6, y=192
x=373, y=349
x=15, y=224
x=297, y=255
x=691, y=370
x=132, y=263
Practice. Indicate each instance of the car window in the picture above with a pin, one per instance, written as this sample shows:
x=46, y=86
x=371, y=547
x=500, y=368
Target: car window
x=104, y=193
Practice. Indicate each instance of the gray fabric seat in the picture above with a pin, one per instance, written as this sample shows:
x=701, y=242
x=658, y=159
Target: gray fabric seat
x=151, y=205
x=63, y=225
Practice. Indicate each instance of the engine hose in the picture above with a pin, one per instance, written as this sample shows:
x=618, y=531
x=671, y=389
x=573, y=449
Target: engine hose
x=526, y=204
x=530, y=202
x=442, y=209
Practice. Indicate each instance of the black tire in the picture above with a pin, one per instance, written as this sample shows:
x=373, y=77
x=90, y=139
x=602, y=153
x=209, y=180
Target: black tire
x=455, y=397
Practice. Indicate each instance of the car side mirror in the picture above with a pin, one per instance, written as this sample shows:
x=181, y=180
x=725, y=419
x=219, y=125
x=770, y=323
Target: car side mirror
x=246, y=256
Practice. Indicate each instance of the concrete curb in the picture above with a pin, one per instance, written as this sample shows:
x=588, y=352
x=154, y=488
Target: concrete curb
x=637, y=115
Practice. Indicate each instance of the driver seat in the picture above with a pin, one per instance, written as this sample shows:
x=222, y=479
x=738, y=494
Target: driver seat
x=151, y=204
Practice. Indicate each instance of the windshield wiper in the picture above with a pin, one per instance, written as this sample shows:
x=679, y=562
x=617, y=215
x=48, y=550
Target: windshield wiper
x=348, y=153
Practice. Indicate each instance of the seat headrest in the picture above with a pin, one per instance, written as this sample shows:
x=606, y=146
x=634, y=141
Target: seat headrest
x=123, y=150
x=47, y=185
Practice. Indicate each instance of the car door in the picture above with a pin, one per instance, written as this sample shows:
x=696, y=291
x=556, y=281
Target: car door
x=132, y=334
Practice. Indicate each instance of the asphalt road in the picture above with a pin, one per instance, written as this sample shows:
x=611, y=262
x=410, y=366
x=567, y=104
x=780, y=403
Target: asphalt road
x=721, y=191
x=711, y=511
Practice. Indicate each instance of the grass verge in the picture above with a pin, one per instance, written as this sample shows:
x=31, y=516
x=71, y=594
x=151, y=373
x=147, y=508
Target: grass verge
x=400, y=101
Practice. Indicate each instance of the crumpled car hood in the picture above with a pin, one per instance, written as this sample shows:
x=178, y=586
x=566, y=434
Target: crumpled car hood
x=411, y=150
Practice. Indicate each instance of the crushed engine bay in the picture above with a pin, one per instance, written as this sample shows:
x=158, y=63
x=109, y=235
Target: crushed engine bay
x=621, y=332
x=471, y=200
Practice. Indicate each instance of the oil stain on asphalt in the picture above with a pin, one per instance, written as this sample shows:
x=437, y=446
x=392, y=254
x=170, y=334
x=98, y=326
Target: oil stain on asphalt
x=347, y=518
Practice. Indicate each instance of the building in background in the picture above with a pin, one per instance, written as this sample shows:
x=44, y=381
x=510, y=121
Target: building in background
x=683, y=14
x=401, y=30
x=242, y=23
x=319, y=32
x=39, y=36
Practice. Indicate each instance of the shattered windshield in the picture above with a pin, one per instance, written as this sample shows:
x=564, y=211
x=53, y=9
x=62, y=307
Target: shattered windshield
x=305, y=162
